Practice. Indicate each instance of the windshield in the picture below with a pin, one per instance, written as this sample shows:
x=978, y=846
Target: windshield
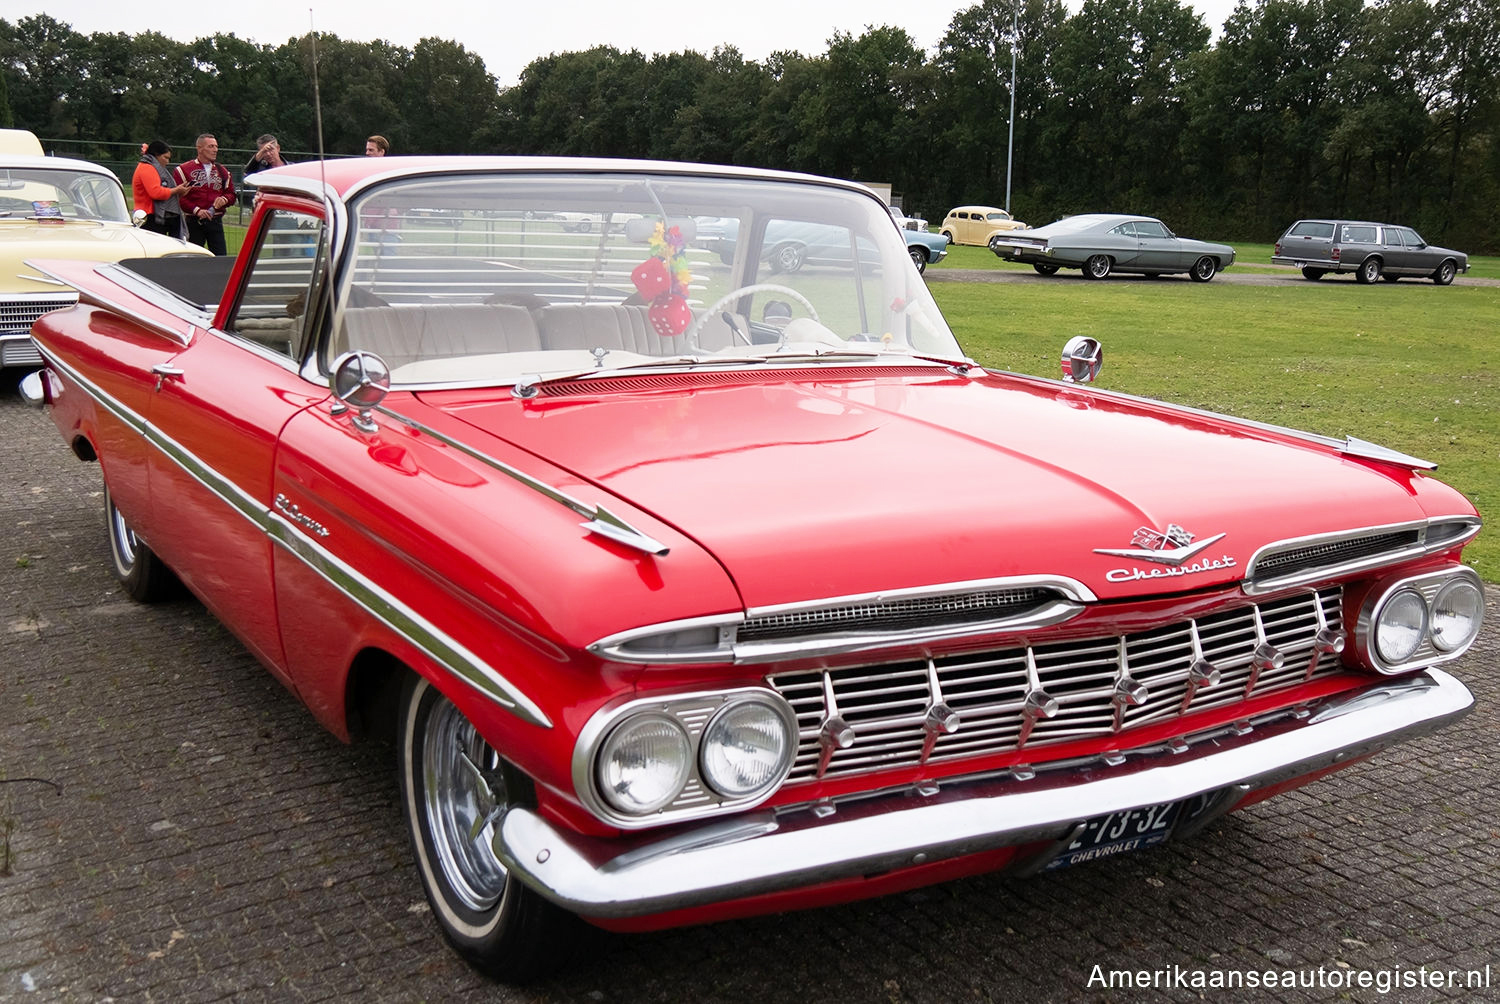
x=51, y=193
x=498, y=277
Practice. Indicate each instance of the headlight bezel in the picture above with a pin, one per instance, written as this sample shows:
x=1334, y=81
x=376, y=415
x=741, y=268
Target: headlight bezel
x=693, y=712
x=1428, y=587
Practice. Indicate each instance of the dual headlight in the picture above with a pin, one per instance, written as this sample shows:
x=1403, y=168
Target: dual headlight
x=686, y=755
x=1421, y=621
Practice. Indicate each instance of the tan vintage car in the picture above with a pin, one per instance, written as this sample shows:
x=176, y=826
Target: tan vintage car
x=977, y=224
x=53, y=207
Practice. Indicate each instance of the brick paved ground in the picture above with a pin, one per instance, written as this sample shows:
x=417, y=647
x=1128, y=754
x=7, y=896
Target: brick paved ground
x=193, y=835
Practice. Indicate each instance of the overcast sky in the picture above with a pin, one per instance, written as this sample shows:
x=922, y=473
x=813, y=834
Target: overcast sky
x=508, y=35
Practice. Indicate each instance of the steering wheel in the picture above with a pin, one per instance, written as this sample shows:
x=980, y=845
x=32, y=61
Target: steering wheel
x=734, y=294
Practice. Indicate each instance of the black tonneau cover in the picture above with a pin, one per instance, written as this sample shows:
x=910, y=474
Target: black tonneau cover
x=198, y=279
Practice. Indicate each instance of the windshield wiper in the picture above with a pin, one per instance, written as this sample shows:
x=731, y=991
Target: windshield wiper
x=527, y=386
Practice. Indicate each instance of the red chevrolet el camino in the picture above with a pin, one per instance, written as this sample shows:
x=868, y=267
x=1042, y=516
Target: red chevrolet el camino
x=689, y=590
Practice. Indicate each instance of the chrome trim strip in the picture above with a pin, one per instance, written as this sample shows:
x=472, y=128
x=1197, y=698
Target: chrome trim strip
x=1075, y=594
x=161, y=296
x=757, y=853
x=1071, y=588
x=1349, y=445
x=1252, y=587
x=359, y=588
x=597, y=519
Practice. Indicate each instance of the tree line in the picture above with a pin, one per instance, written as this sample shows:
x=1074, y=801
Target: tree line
x=1388, y=109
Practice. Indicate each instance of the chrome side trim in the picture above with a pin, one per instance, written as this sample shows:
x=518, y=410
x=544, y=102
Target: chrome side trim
x=159, y=295
x=597, y=519
x=1072, y=597
x=1349, y=445
x=763, y=852
x=359, y=588
x=1423, y=546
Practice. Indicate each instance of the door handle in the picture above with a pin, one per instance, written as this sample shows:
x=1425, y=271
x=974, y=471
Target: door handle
x=163, y=371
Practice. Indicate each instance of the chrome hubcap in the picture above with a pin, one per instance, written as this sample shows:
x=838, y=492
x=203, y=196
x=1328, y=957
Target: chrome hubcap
x=124, y=539
x=465, y=796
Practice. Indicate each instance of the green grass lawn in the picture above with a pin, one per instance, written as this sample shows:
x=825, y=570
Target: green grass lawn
x=1406, y=365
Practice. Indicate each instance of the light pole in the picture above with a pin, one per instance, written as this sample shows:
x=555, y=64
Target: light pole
x=1010, y=142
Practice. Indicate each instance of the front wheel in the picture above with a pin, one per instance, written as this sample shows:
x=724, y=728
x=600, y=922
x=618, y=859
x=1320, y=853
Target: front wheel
x=1044, y=269
x=455, y=788
x=918, y=258
x=144, y=577
x=1444, y=274
x=1097, y=266
x=1369, y=271
x=1204, y=269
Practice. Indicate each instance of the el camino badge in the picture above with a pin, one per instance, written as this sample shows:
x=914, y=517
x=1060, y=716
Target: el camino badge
x=290, y=510
x=1173, y=547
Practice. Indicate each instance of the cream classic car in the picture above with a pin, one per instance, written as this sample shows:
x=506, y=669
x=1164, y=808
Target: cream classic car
x=53, y=207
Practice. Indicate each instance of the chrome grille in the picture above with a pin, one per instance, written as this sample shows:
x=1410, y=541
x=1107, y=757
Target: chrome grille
x=886, y=705
x=19, y=352
x=897, y=615
x=1329, y=553
x=16, y=316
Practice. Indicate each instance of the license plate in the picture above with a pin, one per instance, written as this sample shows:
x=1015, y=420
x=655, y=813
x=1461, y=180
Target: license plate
x=1123, y=832
x=1299, y=264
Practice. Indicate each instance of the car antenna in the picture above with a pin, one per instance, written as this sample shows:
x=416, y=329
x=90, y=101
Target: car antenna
x=321, y=261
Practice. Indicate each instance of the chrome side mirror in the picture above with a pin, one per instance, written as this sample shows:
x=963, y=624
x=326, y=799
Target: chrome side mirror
x=360, y=380
x=1082, y=358
x=138, y=217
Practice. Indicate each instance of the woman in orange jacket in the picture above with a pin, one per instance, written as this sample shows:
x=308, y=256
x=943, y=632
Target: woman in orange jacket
x=154, y=194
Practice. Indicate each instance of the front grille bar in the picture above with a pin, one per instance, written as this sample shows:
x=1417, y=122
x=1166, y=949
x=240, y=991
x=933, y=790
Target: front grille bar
x=886, y=716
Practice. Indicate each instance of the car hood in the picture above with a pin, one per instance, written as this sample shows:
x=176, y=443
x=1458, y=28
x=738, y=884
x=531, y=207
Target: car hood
x=819, y=487
x=24, y=239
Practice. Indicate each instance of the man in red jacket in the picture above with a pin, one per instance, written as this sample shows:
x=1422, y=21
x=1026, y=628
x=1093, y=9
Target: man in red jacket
x=210, y=189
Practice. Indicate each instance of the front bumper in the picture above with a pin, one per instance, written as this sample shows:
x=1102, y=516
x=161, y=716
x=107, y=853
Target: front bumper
x=756, y=853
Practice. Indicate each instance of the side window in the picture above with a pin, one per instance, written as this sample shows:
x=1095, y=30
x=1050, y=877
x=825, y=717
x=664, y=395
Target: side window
x=1410, y=237
x=273, y=304
x=1358, y=234
x=1312, y=228
x=1149, y=228
x=1124, y=230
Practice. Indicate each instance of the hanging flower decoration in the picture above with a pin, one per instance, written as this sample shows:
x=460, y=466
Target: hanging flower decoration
x=663, y=279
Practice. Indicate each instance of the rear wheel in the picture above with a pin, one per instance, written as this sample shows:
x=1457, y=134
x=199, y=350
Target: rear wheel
x=455, y=788
x=1445, y=273
x=144, y=577
x=1369, y=271
x=786, y=258
x=1097, y=266
x=1044, y=269
x=1313, y=273
x=918, y=258
x=1204, y=269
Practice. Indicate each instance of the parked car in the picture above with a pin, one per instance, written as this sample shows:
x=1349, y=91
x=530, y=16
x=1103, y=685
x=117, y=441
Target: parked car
x=53, y=207
x=978, y=225
x=1101, y=243
x=925, y=248
x=680, y=608
x=1371, y=251
x=907, y=222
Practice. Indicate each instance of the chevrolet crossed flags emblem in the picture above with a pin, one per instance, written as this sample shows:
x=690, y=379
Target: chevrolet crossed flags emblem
x=1171, y=546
